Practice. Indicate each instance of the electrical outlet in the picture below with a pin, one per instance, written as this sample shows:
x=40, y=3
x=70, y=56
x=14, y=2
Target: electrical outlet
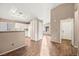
x=12, y=44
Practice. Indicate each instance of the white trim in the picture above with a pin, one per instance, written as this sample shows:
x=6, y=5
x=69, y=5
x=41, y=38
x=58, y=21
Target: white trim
x=75, y=46
x=68, y=20
x=11, y=50
x=55, y=41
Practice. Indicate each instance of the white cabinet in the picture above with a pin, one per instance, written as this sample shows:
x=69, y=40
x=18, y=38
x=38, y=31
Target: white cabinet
x=3, y=26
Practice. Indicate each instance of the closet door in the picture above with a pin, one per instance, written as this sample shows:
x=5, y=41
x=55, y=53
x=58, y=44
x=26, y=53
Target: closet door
x=66, y=29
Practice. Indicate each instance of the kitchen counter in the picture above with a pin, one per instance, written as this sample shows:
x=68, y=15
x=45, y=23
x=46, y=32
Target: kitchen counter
x=9, y=31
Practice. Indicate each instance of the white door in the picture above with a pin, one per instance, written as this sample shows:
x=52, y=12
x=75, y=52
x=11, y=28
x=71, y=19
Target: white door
x=66, y=29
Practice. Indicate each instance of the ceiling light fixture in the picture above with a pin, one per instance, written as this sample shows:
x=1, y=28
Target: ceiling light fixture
x=17, y=13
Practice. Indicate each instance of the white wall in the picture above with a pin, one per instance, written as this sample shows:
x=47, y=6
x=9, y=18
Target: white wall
x=36, y=29
x=40, y=29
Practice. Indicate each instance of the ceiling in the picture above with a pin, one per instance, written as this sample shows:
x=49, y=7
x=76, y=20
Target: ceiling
x=26, y=11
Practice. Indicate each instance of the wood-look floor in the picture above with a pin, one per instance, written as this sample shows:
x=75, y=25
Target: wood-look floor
x=45, y=48
x=63, y=50
x=32, y=48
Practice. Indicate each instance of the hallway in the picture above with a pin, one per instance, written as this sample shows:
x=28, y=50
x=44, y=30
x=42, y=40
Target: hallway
x=43, y=48
x=33, y=48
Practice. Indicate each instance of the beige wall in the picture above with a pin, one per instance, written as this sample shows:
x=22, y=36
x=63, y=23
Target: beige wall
x=61, y=12
x=11, y=40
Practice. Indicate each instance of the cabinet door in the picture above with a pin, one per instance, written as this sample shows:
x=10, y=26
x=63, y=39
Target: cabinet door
x=3, y=26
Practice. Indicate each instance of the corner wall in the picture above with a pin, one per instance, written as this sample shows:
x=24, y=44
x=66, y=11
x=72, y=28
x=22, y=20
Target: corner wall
x=36, y=29
x=77, y=26
x=61, y=12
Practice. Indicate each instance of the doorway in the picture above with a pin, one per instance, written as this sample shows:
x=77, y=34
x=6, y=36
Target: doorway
x=67, y=30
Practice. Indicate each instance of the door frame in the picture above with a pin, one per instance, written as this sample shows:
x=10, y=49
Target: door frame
x=73, y=29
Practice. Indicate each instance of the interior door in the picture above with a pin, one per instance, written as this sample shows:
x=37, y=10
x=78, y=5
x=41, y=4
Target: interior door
x=66, y=29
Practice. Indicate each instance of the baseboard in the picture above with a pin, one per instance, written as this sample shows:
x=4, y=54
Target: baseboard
x=11, y=50
x=77, y=49
x=75, y=46
x=36, y=40
x=55, y=42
